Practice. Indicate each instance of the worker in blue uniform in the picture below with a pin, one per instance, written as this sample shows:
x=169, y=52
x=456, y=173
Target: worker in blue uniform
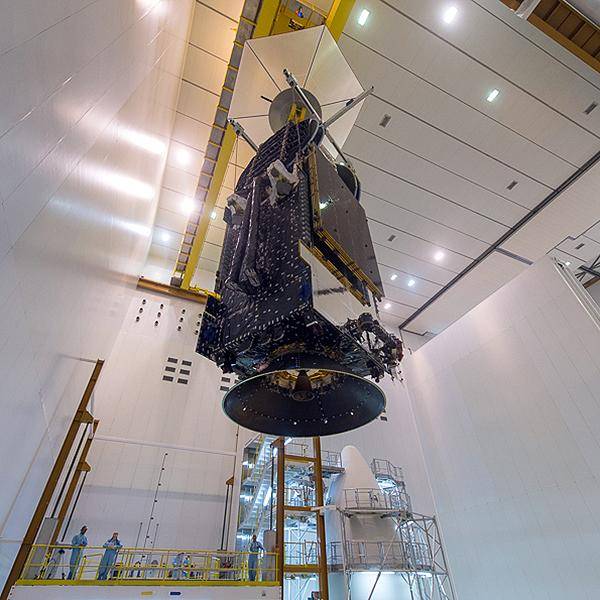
x=79, y=542
x=113, y=545
x=253, y=548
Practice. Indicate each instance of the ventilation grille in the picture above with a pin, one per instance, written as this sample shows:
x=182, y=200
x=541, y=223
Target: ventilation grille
x=590, y=108
x=177, y=370
x=227, y=382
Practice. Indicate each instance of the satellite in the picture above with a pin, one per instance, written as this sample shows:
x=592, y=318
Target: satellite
x=294, y=313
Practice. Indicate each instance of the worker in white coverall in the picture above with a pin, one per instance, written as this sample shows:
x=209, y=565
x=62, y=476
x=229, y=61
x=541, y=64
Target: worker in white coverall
x=79, y=542
x=253, y=548
x=110, y=556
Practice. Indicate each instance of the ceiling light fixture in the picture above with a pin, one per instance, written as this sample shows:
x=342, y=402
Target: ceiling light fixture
x=188, y=205
x=568, y=263
x=164, y=236
x=213, y=215
x=411, y=282
x=364, y=15
x=183, y=157
x=492, y=95
x=450, y=14
x=439, y=255
x=394, y=277
x=387, y=306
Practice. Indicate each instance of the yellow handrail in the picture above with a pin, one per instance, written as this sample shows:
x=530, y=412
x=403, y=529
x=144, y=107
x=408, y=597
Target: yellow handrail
x=91, y=565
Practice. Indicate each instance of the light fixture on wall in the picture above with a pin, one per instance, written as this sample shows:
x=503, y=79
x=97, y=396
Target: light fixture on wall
x=125, y=184
x=450, y=14
x=142, y=140
x=364, y=15
x=213, y=215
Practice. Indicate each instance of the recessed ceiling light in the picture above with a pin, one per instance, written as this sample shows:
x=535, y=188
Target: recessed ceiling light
x=411, y=282
x=213, y=215
x=568, y=263
x=450, y=14
x=387, y=306
x=188, y=205
x=393, y=277
x=439, y=255
x=364, y=15
x=492, y=95
x=164, y=236
x=183, y=157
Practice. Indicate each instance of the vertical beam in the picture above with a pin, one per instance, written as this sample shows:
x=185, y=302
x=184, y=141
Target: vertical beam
x=81, y=416
x=82, y=467
x=320, y=501
x=279, y=444
x=338, y=16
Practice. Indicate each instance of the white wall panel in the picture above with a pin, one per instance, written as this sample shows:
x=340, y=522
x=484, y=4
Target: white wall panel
x=506, y=401
x=155, y=417
x=77, y=201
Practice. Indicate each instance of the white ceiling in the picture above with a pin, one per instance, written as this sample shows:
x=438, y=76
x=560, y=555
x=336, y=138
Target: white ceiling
x=436, y=177
x=211, y=36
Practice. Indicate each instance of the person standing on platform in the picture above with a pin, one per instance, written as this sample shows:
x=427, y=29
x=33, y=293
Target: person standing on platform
x=253, y=548
x=79, y=542
x=110, y=556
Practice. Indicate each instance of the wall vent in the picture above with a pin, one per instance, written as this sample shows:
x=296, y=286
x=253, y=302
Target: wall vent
x=179, y=373
x=392, y=237
x=590, y=108
x=512, y=185
x=580, y=246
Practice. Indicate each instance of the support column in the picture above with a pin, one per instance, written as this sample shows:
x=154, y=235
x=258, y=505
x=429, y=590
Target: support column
x=81, y=416
x=320, y=501
x=82, y=467
x=279, y=445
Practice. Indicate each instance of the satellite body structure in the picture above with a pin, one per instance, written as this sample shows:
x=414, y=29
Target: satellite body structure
x=295, y=309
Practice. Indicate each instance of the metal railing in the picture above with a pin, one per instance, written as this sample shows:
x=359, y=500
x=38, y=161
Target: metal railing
x=301, y=553
x=376, y=499
x=77, y=565
x=389, y=556
x=330, y=459
x=299, y=495
x=384, y=468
